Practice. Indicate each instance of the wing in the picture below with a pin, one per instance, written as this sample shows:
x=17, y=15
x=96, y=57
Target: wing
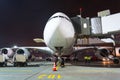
x=41, y=49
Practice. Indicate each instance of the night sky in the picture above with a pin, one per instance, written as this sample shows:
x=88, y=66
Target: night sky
x=23, y=20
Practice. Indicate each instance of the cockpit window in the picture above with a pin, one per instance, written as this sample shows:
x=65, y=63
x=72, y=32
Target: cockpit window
x=60, y=17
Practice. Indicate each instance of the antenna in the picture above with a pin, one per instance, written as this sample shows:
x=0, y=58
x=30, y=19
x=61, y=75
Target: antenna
x=81, y=12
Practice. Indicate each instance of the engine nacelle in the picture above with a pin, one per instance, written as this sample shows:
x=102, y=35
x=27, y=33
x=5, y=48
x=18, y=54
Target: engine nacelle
x=102, y=53
x=116, y=61
x=8, y=52
x=23, y=51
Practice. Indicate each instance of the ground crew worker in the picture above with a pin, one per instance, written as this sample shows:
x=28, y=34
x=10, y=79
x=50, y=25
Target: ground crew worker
x=85, y=58
x=89, y=59
x=62, y=62
x=55, y=60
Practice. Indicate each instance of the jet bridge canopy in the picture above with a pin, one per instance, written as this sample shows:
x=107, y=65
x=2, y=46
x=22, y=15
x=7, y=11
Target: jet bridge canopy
x=81, y=25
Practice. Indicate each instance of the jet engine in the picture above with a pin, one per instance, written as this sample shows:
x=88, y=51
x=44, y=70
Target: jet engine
x=102, y=53
x=5, y=55
x=105, y=55
x=8, y=52
x=23, y=51
x=21, y=57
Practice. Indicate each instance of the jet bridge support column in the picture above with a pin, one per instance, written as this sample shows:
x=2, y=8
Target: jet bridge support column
x=114, y=44
x=114, y=47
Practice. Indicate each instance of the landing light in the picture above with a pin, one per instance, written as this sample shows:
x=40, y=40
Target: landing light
x=38, y=40
x=104, y=59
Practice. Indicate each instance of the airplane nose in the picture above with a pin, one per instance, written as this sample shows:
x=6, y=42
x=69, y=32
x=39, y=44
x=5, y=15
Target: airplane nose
x=51, y=28
x=59, y=32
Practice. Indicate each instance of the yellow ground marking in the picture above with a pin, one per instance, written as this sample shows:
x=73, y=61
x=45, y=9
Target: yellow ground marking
x=42, y=76
x=50, y=76
x=58, y=65
x=59, y=76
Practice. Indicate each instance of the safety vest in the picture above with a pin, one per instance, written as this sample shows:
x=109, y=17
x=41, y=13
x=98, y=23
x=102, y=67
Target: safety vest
x=85, y=57
x=88, y=58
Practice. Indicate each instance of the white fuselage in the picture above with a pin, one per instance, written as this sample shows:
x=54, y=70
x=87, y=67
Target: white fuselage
x=59, y=33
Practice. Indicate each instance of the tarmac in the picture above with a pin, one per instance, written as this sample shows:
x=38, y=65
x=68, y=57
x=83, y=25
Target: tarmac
x=78, y=71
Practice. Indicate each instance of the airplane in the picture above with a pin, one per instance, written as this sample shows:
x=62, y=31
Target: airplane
x=59, y=36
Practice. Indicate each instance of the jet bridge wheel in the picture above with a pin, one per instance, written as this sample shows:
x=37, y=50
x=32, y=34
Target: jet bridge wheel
x=20, y=64
x=116, y=61
x=15, y=64
x=3, y=64
x=25, y=64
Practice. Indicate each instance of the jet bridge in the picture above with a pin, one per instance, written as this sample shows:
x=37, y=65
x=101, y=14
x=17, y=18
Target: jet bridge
x=81, y=25
x=86, y=28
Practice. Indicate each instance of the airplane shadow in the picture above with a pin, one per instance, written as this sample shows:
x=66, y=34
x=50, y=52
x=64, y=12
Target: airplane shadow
x=96, y=64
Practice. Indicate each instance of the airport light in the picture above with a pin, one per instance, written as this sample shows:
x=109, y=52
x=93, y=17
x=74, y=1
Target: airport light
x=85, y=25
x=81, y=12
x=15, y=46
x=104, y=59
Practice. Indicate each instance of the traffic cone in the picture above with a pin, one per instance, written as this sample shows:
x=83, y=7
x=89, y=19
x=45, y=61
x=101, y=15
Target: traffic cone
x=54, y=67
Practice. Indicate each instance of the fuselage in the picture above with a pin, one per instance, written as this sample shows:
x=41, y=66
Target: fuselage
x=59, y=33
